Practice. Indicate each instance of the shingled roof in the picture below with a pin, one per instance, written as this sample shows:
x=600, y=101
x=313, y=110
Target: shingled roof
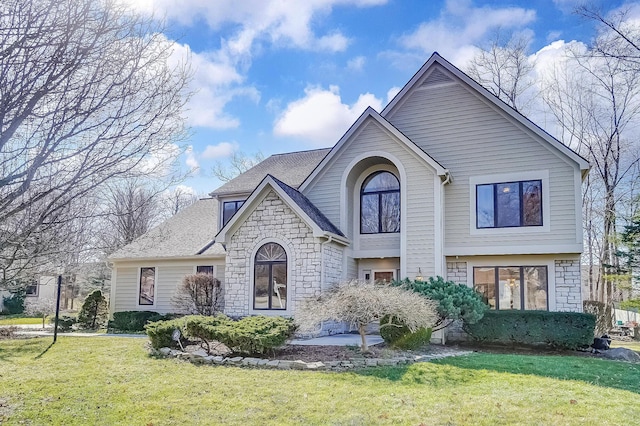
x=184, y=234
x=309, y=208
x=292, y=168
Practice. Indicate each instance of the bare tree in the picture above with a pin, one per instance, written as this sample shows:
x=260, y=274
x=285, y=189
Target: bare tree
x=361, y=302
x=504, y=69
x=88, y=95
x=173, y=201
x=198, y=294
x=41, y=308
x=238, y=163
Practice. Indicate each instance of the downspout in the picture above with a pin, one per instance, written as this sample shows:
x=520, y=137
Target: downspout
x=447, y=180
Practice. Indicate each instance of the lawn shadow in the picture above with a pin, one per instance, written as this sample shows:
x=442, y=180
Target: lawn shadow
x=17, y=348
x=479, y=366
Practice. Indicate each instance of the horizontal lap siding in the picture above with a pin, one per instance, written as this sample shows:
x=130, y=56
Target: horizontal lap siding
x=325, y=194
x=470, y=138
x=169, y=274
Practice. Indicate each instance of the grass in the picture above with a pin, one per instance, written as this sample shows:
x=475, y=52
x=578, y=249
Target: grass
x=634, y=346
x=19, y=320
x=111, y=380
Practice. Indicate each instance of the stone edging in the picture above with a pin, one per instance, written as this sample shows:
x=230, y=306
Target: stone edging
x=201, y=357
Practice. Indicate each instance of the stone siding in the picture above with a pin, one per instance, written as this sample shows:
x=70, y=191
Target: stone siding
x=273, y=220
x=568, y=286
x=457, y=272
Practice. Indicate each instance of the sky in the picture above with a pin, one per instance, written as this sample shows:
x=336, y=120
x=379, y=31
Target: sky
x=275, y=76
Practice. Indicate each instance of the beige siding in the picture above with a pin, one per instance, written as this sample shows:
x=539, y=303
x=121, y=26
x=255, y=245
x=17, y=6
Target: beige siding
x=418, y=227
x=470, y=137
x=168, y=274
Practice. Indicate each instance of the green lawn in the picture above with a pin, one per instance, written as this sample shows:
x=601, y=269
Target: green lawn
x=19, y=320
x=634, y=346
x=112, y=380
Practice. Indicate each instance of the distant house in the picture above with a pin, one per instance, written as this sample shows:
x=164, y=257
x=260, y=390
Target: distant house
x=446, y=180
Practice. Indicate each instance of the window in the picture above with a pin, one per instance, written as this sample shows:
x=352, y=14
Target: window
x=383, y=277
x=229, y=208
x=204, y=270
x=32, y=289
x=380, y=204
x=270, y=278
x=147, y=286
x=509, y=204
x=512, y=287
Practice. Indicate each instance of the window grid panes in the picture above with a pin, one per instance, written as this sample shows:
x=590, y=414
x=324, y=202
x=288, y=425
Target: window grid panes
x=270, y=278
x=509, y=204
x=513, y=287
x=380, y=204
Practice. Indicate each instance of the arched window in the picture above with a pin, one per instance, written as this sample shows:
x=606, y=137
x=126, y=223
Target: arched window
x=270, y=278
x=380, y=204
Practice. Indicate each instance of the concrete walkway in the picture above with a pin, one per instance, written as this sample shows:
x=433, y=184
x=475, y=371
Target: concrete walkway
x=338, y=340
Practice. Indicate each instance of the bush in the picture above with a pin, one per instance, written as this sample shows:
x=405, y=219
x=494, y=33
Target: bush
x=161, y=332
x=94, y=311
x=13, y=304
x=396, y=334
x=199, y=294
x=133, y=320
x=455, y=301
x=415, y=340
x=250, y=335
x=65, y=323
x=562, y=330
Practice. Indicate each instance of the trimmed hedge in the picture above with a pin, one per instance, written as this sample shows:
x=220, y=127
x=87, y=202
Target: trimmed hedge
x=399, y=336
x=249, y=335
x=160, y=332
x=134, y=320
x=562, y=330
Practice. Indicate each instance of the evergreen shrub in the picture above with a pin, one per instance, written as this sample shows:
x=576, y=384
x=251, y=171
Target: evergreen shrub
x=560, y=330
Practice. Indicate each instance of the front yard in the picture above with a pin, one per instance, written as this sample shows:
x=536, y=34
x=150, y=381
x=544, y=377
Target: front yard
x=111, y=380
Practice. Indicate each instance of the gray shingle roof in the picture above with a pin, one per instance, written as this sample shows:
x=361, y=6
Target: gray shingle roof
x=291, y=168
x=309, y=208
x=184, y=234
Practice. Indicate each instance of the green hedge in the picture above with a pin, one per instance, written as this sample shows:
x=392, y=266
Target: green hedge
x=134, y=320
x=399, y=336
x=562, y=330
x=249, y=335
x=160, y=332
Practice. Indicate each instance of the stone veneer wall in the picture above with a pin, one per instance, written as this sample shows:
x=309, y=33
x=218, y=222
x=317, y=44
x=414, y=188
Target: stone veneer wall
x=273, y=219
x=568, y=286
x=457, y=272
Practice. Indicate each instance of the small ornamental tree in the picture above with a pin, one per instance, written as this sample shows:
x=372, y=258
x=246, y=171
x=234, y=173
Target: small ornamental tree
x=454, y=301
x=94, y=311
x=41, y=308
x=360, y=303
x=198, y=294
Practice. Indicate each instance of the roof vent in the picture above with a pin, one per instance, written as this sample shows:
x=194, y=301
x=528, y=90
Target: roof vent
x=436, y=77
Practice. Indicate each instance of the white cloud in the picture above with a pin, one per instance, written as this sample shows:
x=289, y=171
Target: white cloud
x=191, y=160
x=320, y=117
x=356, y=64
x=221, y=150
x=460, y=26
x=391, y=93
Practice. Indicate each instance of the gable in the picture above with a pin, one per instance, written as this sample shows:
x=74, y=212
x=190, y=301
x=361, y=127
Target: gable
x=439, y=74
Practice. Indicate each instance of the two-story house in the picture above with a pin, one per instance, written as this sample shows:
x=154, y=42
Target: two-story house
x=446, y=180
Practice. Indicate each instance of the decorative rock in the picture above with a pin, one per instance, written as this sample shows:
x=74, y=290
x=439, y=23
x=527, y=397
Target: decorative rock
x=218, y=360
x=200, y=352
x=284, y=365
x=299, y=365
x=621, y=354
x=273, y=363
x=250, y=361
x=236, y=360
x=387, y=362
x=315, y=365
x=262, y=361
x=371, y=362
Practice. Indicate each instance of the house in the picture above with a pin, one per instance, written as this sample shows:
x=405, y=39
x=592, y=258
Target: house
x=446, y=180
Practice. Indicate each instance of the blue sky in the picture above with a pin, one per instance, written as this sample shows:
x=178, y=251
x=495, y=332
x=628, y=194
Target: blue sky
x=276, y=76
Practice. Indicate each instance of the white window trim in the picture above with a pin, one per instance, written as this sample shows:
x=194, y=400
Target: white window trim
x=290, y=281
x=195, y=268
x=221, y=208
x=542, y=175
x=515, y=262
x=155, y=287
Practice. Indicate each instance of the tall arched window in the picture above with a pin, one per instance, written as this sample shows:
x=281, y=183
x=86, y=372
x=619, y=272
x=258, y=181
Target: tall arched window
x=270, y=278
x=380, y=204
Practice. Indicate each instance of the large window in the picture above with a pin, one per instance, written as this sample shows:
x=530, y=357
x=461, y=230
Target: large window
x=380, y=204
x=147, y=286
x=512, y=287
x=204, y=270
x=270, y=278
x=229, y=208
x=509, y=204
